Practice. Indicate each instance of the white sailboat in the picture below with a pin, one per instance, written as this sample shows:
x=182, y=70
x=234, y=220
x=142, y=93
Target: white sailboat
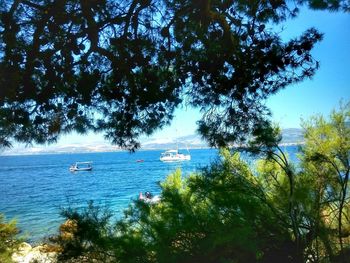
x=175, y=156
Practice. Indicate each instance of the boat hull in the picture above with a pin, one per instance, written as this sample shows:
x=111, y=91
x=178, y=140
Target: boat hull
x=175, y=158
x=72, y=169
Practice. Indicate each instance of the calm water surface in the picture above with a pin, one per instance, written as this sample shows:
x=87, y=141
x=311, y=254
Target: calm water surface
x=34, y=188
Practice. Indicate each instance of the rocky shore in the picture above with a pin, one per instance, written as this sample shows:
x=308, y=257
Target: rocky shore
x=39, y=254
x=44, y=253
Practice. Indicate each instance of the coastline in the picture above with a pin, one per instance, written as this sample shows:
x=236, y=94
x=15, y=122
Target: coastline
x=121, y=150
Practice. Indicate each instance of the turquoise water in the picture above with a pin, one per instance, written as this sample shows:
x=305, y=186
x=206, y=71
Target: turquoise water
x=34, y=188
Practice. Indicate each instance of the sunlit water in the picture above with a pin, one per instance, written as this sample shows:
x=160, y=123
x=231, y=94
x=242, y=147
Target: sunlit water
x=33, y=189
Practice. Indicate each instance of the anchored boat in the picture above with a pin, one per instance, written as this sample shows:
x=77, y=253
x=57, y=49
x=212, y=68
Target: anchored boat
x=174, y=156
x=81, y=166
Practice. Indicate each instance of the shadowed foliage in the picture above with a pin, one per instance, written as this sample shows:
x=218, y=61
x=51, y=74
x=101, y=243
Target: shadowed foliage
x=332, y=5
x=8, y=240
x=122, y=67
x=214, y=216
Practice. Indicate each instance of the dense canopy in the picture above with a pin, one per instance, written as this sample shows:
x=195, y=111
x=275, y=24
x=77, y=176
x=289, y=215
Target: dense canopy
x=122, y=67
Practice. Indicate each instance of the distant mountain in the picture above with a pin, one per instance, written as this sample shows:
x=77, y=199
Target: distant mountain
x=189, y=141
x=57, y=149
x=290, y=136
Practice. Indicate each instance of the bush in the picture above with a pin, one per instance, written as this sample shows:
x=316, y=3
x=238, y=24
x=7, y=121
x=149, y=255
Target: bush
x=216, y=215
x=233, y=212
x=8, y=240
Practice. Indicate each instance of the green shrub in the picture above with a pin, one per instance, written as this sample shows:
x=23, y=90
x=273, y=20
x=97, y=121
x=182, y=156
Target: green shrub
x=233, y=212
x=8, y=240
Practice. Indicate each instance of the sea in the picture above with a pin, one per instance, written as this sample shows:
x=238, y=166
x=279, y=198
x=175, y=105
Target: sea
x=35, y=188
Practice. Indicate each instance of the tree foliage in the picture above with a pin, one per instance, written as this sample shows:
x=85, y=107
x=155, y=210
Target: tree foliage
x=8, y=240
x=326, y=160
x=317, y=191
x=214, y=216
x=332, y=5
x=122, y=67
x=275, y=211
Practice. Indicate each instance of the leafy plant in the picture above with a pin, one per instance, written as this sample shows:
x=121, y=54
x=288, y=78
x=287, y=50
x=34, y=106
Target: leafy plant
x=234, y=212
x=8, y=239
x=122, y=67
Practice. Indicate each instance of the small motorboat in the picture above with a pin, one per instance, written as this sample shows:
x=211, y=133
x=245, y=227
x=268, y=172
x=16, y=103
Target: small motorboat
x=81, y=166
x=140, y=161
x=149, y=198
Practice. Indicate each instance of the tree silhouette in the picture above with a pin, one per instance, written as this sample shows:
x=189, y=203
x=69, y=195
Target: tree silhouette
x=332, y=5
x=122, y=67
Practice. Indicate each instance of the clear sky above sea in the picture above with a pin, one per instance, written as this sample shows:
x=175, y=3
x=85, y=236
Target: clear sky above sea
x=320, y=95
x=331, y=83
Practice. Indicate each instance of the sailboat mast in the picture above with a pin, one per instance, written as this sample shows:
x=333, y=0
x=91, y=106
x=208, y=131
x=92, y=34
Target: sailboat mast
x=177, y=142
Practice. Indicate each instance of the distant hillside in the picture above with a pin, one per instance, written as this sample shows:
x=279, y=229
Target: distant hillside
x=191, y=141
x=292, y=136
x=289, y=136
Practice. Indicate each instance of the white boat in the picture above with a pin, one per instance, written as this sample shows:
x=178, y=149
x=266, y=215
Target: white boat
x=81, y=166
x=174, y=156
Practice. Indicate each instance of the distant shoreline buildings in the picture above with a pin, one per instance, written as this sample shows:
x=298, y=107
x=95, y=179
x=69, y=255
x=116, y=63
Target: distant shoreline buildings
x=290, y=137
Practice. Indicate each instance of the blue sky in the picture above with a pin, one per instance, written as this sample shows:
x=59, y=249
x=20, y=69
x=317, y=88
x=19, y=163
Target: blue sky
x=331, y=82
x=319, y=95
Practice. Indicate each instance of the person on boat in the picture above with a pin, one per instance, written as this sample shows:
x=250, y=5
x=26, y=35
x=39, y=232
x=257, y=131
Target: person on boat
x=149, y=198
x=148, y=195
x=141, y=197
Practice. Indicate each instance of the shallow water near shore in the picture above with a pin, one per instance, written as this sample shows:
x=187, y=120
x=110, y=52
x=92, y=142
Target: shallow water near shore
x=34, y=188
